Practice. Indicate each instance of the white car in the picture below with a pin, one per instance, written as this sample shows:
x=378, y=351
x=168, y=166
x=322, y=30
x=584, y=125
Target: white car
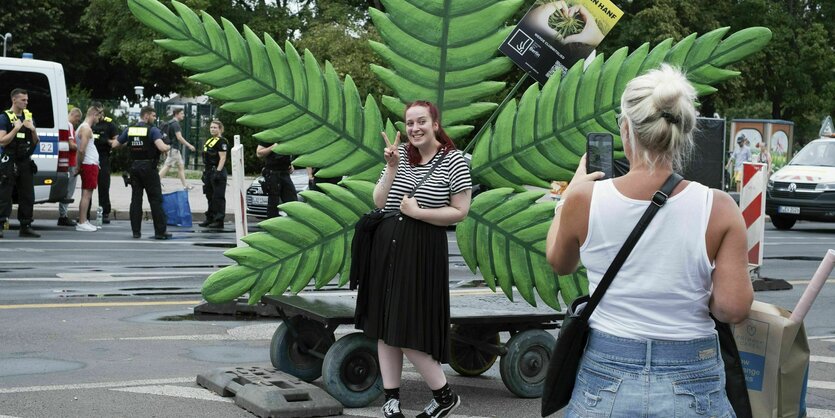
x=256, y=199
x=805, y=188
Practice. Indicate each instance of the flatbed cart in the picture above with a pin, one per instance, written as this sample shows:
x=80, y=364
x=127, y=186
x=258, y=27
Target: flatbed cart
x=304, y=344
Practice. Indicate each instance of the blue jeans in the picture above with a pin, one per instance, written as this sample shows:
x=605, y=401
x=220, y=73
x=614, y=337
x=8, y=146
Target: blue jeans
x=622, y=377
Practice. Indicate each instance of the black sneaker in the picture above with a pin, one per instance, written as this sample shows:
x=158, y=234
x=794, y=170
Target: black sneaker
x=137, y=235
x=204, y=223
x=27, y=231
x=164, y=236
x=216, y=224
x=391, y=409
x=65, y=221
x=436, y=410
x=105, y=219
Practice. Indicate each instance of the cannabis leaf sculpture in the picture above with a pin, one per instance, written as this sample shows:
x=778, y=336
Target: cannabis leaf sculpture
x=443, y=51
x=310, y=113
x=542, y=138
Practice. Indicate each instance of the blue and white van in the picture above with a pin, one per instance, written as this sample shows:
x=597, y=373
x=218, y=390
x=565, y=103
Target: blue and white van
x=44, y=80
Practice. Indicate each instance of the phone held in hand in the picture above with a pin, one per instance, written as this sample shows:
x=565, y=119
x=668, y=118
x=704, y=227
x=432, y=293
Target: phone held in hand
x=600, y=153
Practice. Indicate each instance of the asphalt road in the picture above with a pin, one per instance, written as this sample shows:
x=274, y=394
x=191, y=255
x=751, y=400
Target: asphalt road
x=99, y=324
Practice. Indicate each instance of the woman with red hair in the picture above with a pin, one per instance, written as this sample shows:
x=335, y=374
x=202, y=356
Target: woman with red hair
x=404, y=301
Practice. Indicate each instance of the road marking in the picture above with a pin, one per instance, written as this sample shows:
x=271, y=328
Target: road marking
x=806, y=282
x=820, y=384
x=256, y=332
x=820, y=337
x=819, y=413
x=99, y=304
x=822, y=359
x=100, y=385
x=93, y=277
x=178, y=391
x=374, y=411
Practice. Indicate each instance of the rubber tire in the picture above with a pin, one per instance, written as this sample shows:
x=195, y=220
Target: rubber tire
x=351, y=371
x=783, y=223
x=285, y=354
x=525, y=365
x=468, y=360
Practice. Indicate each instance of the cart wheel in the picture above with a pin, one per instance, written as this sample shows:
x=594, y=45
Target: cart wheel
x=350, y=371
x=286, y=355
x=467, y=359
x=525, y=365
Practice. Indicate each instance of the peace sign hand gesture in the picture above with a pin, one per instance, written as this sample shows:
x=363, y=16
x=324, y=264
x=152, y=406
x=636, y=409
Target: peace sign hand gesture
x=392, y=151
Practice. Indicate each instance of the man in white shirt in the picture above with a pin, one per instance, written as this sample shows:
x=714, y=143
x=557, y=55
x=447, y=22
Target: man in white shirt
x=87, y=167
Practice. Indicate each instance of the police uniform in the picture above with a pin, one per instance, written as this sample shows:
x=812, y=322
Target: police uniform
x=277, y=183
x=214, y=182
x=16, y=171
x=143, y=176
x=103, y=132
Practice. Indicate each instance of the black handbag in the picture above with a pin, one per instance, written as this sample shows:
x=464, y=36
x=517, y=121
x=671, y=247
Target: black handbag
x=735, y=386
x=364, y=233
x=574, y=332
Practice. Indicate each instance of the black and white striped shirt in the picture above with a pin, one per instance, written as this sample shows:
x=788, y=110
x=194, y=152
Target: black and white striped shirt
x=452, y=176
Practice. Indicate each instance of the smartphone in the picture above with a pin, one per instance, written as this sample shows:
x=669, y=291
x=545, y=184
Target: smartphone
x=600, y=154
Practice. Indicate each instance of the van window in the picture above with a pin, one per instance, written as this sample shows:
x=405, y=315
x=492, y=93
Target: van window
x=40, y=97
x=816, y=153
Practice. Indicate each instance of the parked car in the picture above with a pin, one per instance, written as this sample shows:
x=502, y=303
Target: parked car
x=256, y=199
x=805, y=188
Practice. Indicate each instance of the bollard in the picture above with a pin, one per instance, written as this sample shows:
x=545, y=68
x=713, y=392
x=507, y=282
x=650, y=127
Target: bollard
x=752, y=204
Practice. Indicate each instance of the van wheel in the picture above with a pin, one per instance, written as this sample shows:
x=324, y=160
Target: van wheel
x=783, y=223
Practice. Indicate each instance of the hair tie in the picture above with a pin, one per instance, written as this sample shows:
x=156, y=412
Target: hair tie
x=671, y=118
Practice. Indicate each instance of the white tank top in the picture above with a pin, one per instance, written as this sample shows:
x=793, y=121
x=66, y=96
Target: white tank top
x=663, y=289
x=91, y=154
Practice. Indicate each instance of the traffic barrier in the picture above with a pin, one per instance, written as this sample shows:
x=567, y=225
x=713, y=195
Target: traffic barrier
x=752, y=203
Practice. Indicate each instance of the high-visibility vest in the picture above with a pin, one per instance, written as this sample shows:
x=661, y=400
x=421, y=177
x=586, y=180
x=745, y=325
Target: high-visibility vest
x=20, y=147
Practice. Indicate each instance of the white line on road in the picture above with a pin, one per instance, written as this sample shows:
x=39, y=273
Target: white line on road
x=177, y=391
x=100, y=385
x=822, y=359
x=820, y=337
x=109, y=277
x=820, y=384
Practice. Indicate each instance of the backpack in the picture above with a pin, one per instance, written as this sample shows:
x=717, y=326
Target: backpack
x=165, y=134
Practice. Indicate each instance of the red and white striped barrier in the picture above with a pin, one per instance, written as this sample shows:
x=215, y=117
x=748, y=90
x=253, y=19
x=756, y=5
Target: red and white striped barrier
x=752, y=203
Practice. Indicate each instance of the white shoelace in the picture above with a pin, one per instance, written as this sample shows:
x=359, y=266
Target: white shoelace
x=432, y=407
x=392, y=406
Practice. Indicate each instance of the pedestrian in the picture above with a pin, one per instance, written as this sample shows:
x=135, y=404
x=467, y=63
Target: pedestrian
x=74, y=117
x=742, y=154
x=146, y=144
x=174, y=133
x=277, y=183
x=104, y=133
x=403, y=303
x=18, y=137
x=652, y=348
x=214, y=176
x=87, y=168
x=314, y=181
x=764, y=157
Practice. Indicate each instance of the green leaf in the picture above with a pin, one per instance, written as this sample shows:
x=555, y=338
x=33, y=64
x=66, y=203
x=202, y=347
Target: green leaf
x=302, y=108
x=543, y=137
x=311, y=243
x=504, y=236
x=443, y=51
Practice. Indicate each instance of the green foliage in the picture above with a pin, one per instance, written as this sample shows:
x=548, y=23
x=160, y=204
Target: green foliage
x=281, y=92
x=503, y=236
x=543, y=137
x=444, y=52
x=313, y=241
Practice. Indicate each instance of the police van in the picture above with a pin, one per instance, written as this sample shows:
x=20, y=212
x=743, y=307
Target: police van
x=44, y=80
x=805, y=188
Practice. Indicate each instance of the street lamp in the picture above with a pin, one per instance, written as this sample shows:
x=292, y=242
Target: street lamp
x=6, y=38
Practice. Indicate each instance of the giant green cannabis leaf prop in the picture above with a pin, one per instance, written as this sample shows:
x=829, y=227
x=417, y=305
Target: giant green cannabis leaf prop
x=443, y=51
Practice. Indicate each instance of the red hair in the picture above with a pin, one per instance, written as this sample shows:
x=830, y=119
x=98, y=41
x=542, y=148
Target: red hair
x=440, y=135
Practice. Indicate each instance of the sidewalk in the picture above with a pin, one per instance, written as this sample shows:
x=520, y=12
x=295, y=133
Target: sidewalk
x=120, y=201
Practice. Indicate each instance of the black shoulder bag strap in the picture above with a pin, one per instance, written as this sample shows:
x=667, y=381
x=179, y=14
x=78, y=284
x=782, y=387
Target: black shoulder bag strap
x=429, y=173
x=658, y=200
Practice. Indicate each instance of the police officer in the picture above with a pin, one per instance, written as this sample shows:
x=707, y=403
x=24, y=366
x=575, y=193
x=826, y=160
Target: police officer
x=146, y=144
x=277, y=183
x=104, y=132
x=18, y=137
x=214, y=176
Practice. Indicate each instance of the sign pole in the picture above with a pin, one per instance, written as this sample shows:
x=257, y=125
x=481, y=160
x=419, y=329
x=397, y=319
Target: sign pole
x=239, y=191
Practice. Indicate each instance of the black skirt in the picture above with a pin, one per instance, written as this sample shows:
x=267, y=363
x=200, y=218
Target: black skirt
x=404, y=301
